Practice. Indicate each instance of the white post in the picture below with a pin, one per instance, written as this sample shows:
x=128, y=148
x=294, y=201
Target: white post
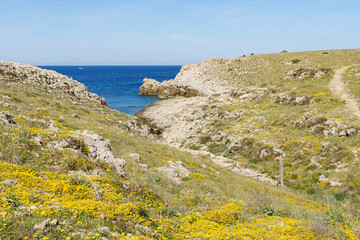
x=281, y=171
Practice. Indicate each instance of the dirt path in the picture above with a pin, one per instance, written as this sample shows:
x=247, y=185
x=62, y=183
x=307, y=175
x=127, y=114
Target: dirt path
x=234, y=166
x=338, y=88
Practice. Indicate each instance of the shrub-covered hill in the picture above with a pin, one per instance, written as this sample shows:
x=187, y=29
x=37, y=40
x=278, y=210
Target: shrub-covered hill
x=72, y=168
x=300, y=107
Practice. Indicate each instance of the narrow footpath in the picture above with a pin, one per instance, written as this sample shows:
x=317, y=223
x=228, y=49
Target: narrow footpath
x=338, y=87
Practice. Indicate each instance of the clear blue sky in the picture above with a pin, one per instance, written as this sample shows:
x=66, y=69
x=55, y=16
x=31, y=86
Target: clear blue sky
x=136, y=32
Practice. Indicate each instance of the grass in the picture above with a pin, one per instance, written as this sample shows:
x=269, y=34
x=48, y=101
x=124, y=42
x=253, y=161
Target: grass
x=297, y=130
x=213, y=203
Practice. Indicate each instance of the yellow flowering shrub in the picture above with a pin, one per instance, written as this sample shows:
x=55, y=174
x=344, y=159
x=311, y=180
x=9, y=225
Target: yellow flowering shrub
x=227, y=214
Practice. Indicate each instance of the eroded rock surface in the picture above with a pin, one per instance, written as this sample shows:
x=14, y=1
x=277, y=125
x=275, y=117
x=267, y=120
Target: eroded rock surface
x=100, y=149
x=192, y=80
x=166, y=89
x=302, y=73
x=176, y=171
x=19, y=73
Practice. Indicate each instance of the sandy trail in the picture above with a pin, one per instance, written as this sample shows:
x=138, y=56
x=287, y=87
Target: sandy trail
x=338, y=88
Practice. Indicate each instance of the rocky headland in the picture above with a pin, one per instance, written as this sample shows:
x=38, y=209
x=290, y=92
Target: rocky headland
x=22, y=74
x=235, y=117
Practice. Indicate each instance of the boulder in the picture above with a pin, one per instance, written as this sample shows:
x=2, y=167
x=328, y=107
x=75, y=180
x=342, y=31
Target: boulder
x=100, y=149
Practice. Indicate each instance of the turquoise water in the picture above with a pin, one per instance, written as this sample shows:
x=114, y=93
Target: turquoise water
x=119, y=85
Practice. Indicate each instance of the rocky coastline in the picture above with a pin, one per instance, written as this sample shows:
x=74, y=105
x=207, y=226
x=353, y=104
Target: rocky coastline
x=24, y=74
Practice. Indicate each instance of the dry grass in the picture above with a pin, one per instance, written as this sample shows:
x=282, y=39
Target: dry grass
x=159, y=202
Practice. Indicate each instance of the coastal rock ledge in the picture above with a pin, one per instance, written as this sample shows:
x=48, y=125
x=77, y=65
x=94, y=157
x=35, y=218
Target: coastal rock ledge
x=22, y=74
x=166, y=89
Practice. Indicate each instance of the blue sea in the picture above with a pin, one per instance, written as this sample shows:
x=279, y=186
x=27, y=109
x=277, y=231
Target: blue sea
x=119, y=85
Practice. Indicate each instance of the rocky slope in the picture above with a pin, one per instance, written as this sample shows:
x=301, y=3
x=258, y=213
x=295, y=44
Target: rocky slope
x=258, y=109
x=22, y=74
x=192, y=80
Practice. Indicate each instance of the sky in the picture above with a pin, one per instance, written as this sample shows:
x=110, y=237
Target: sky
x=170, y=32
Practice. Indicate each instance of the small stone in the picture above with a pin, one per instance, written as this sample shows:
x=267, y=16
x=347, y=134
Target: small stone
x=11, y=183
x=342, y=133
x=135, y=157
x=140, y=229
x=104, y=230
x=302, y=100
x=54, y=222
x=45, y=224
x=42, y=226
x=7, y=118
x=7, y=97
x=350, y=131
x=144, y=166
x=33, y=207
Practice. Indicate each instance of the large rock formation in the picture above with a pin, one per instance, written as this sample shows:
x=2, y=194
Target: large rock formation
x=19, y=73
x=166, y=89
x=192, y=80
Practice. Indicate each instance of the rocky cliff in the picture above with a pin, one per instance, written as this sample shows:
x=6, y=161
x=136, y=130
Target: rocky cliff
x=18, y=73
x=193, y=80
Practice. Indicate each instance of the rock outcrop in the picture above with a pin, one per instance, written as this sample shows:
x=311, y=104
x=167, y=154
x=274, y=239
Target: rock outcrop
x=176, y=171
x=7, y=118
x=302, y=73
x=166, y=89
x=100, y=148
x=22, y=74
x=192, y=80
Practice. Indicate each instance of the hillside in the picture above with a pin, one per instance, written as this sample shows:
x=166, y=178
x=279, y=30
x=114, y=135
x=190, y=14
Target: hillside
x=72, y=168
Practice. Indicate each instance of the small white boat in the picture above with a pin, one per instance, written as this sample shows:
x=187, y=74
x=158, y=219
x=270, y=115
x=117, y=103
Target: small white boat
x=80, y=68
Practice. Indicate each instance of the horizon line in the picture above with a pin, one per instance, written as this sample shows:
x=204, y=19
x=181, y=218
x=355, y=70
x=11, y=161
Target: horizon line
x=110, y=65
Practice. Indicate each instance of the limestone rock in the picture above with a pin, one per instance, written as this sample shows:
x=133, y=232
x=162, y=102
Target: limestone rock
x=144, y=166
x=302, y=73
x=322, y=178
x=19, y=73
x=100, y=149
x=302, y=100
x=45, y=224
x=290, y=98
x=105, y=230
x=176, y=171
x=142, y=230
x=9, y=105
x=135, y=157
x=165, y=89
x=342, y=133
x=7, y=118
x=11, y=183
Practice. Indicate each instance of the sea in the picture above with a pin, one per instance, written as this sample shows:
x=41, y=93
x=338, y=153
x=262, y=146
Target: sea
x=119, y=85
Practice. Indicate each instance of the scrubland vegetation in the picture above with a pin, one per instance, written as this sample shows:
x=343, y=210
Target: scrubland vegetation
x=51, y=188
